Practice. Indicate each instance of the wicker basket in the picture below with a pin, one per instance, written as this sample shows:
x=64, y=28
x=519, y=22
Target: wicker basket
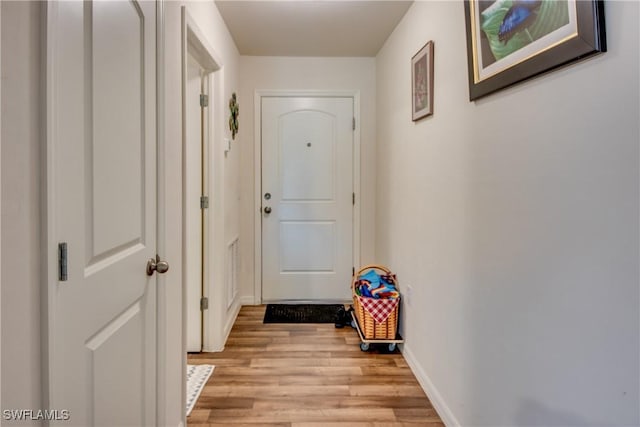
x=368, y=326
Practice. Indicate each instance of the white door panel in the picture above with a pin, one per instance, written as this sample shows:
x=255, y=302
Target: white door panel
x=102, y=136
x=193, y=214
x=307, y=155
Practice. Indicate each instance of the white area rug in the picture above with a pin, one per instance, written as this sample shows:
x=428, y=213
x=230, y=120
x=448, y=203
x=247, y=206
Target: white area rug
x=197, y=376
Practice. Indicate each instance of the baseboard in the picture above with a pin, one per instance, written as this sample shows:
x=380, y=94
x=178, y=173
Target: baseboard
x=231, y=320
x=248, y=300
x=232, y=315
x=429, y=388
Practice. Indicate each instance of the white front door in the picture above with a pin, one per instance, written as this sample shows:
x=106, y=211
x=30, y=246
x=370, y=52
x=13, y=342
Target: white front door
x=307, y=198
x=101, y=121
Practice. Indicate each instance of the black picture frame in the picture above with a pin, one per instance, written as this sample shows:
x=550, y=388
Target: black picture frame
x=588, y=38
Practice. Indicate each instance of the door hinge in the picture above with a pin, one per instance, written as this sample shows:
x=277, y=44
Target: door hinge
x=62, y=262
x=353, y=271
x=354, y=124
x=204, y=303
x=204, y=202
x=353, y=198
x=204, y=100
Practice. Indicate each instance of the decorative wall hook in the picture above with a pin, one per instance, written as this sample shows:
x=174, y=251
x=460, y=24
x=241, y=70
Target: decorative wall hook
x=233, y=119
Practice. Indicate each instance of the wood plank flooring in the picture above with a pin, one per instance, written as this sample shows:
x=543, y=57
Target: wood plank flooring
x=306, y=375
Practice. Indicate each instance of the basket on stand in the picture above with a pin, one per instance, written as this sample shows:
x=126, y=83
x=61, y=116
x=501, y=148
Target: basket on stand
x=370, y=328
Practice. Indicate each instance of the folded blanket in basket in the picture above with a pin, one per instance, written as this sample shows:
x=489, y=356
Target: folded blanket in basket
x=379, y=309
x=373, y=285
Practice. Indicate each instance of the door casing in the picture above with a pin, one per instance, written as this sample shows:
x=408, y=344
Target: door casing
x=195, y=43
x=258, y=95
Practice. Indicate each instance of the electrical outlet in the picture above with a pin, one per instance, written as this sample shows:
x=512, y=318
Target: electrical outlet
x=408, y=294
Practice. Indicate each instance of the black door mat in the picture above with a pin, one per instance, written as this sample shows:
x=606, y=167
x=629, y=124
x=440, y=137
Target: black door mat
x=301, y=313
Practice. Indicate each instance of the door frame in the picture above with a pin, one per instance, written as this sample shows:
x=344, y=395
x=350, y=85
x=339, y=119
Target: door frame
x=257, y=232
x=194, y=188
x=194, y=42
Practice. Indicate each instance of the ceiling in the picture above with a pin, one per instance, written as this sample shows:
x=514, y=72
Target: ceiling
x=311, y=27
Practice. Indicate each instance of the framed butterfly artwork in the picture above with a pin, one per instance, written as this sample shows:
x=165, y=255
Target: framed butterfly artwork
x=509, y=41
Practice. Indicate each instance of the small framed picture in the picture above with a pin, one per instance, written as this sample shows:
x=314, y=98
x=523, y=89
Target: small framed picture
x=422, y=82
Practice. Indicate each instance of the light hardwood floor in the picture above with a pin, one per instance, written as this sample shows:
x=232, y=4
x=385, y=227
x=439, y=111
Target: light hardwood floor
x=305, y=375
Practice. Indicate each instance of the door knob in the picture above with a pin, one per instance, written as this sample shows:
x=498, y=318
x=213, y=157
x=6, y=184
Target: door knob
x=267, y=210
x=157, y=265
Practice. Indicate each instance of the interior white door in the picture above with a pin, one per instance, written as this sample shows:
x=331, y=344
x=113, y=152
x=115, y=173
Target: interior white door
x=193, y=213
x=102, y=148
x=307, y=198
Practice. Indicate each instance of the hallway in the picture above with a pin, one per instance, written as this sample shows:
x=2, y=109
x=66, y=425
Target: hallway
x=511, y=221
x=306, y=375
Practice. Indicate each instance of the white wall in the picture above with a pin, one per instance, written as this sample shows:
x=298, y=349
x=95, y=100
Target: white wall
x=302, y=73
x=515, y=220
x=21, y=102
